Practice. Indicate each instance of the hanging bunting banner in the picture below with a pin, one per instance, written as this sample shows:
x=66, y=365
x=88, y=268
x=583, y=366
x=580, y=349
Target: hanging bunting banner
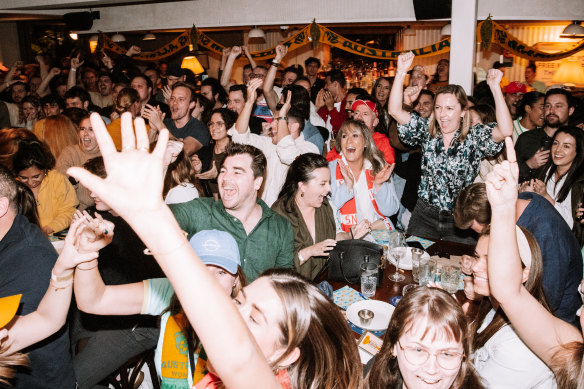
x=333, y=39
x=487, y=32
x=501, y=37
x=309, y=34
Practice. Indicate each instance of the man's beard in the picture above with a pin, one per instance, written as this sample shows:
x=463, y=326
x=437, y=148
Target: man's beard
x=555, y=124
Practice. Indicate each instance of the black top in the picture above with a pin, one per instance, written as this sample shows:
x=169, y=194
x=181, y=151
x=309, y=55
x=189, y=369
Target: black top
x=526, y=146
x=194, y=128
x=27, y=259
x=315, y=88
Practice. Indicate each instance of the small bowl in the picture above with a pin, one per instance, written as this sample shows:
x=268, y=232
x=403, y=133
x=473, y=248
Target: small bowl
x=365, y=316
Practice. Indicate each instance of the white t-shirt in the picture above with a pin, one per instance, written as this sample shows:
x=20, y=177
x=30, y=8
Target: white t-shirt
x=181, y=194
x=563, y=207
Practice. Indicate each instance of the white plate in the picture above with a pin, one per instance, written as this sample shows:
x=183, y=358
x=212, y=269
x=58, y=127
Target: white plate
x=382, y=311
x=406, y=262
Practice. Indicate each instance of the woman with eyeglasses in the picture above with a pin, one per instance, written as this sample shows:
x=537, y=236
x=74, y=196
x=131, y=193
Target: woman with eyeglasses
x=500, y=356
x=210, y=158
x=427, y=344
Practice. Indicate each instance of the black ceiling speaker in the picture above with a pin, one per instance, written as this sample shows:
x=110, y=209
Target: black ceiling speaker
x=432, y=9
x=79, y=21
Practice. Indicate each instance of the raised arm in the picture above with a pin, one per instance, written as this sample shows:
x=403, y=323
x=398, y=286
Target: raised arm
x=134, y=193
x=504, y=127
x=43, y=87
x=226, y=75
x=283, y=130
x=76, y=63
x=43, y=67
x=396, y=97
x=269, y=94
x=9, y=79
x=249, y=57
x=242, y=123
x=505, y=272
x=93, y=296
x=51, y=313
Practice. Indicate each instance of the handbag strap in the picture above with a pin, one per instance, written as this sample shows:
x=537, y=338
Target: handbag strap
x=341, y=265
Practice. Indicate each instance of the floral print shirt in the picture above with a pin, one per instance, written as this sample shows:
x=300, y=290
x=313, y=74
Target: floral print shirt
x=446, y=172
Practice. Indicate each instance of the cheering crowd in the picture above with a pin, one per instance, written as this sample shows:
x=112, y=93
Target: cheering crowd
x=197, y=219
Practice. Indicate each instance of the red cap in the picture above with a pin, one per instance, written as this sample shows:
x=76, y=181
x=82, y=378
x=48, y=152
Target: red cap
x=368, y=103
x=515, y=87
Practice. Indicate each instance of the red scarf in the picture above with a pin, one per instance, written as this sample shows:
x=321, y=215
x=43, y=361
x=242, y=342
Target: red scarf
x=349, y=209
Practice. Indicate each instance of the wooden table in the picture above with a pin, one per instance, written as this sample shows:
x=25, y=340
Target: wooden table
x=389, y=289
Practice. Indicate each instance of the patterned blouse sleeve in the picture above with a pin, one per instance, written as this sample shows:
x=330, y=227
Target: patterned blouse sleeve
x=483, y=137
x=414, y=132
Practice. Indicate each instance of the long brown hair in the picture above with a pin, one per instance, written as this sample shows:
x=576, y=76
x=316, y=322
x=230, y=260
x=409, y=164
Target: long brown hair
x=313, y=324
x=459, y=93
x=371, y=152
x=568, y=366
x=8, y=364
x=180, y=172
x=441, y=312
x=534, y=285
x=10, y=139
x=59, y=133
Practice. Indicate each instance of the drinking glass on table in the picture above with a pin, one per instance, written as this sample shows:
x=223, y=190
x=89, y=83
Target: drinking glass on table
x=369, y=274
x=427, y=271
x=397, y=253
x=416, y=258
x=450, y=278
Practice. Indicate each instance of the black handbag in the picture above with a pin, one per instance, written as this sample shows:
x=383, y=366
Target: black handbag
x=346, y=257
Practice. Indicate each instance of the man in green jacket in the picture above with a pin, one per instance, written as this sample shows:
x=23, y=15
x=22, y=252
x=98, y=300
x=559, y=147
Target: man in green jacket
x=265, y=239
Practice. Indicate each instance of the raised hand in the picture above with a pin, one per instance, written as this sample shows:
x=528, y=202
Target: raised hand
x=95, y=234
x=281, y=52
x=411, y=94
x=347, y=174
x=328, y=99
x=286, y=107
x=54, y=72
x=319, y=103
x=131, y=187
x=167, y=93
x=107, y=61
x=72, y=255
x=383, y=175
x=76, y=63
x=209, y=174
x=172, y=151
x=235, y=51
x=133, y=50
x=494, y=77
x=254, y=84
x=502, y=181
x=154, y=115
x=404, y=61
x=196, y=163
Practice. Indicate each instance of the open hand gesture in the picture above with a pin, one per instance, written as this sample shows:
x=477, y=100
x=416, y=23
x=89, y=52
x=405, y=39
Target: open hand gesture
x=347, y=174
x=383, y=175
x=95, y=233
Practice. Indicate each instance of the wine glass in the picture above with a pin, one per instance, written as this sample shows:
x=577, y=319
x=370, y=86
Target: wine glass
x=398, y=251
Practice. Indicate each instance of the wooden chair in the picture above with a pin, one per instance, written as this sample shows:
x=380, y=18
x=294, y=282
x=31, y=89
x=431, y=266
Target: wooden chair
x=126, y=377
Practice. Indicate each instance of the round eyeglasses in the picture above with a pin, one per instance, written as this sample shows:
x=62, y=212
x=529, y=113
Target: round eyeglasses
x=446, y=359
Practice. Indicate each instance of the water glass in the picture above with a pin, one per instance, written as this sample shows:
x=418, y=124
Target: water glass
x=416, y=258
x=450, y=278
x=369, y=274
x=427, y=271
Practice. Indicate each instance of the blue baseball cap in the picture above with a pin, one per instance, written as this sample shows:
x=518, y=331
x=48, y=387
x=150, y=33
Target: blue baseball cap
x=217, y=248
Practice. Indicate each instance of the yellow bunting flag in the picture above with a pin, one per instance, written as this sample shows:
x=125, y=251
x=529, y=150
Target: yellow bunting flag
x=507, y=41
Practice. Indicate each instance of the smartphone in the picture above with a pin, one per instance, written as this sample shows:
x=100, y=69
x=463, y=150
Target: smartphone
x=415, y=244
x=546, y=144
